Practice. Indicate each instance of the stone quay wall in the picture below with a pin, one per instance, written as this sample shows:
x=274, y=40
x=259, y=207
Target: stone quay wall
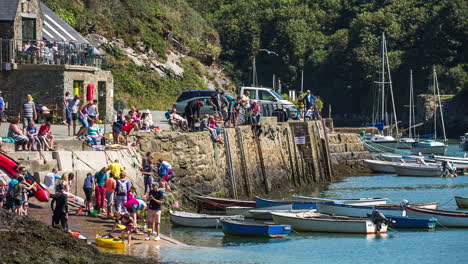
x=288, y=154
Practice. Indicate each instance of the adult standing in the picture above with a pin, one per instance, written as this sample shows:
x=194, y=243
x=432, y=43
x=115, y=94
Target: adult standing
x=110, y=189
x=49, y=179
x=309, y=100
x=28, y=111
x=72, y=113
x=83, y=118
x=116, y=168
x=59, y=206
x=216, y=102
x=156, y=199
x=121, y=190
x=65, y=114
x=100, y=191
x=192, y=112
x=88, y=185
x=93, y=111
x=2, y=108
x=245, y=99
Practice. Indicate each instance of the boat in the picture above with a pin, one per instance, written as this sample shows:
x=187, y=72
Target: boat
x=238, y=210
x=109, y=241
x=430, y=205
x=417, y=170
x=356, y=201
x=444, y=218
x=406, y=143
x=213, y=203
x=432, y=146
x=254, y=229
x=429, y=147
x=198, y=220
x=296, y=205
x=462, y=202
x=381, y=166
x=381, y=143
x=261, y=214
x=411, y=222
x=459, y=163
x=357, y=211
x=326, y=223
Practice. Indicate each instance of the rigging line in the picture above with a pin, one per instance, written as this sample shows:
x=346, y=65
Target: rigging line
x=391, y=91
x=440, y=106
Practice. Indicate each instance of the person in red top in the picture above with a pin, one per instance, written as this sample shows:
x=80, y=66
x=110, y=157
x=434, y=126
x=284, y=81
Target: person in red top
x=255, y=111
x=46, y=137
x=128, y=127
x=110, y=189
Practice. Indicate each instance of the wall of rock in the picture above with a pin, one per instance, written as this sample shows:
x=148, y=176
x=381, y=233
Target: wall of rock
x=347, y=151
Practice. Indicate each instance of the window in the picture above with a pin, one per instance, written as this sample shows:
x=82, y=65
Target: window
x=29, y=28
x=265, y=95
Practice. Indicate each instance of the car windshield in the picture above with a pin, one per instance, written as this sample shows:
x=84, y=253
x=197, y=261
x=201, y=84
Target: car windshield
x=277, y=95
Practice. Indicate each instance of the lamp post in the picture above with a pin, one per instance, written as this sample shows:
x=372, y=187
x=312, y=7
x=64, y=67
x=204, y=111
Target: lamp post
x=254, y=66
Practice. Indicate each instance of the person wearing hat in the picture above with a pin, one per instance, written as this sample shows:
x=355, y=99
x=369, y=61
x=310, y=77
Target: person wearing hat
x=2, y=108
x=309, y=100
x=156, y=199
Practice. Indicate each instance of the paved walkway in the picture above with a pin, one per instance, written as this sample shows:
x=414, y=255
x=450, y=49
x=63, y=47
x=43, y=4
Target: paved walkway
x=61, y=131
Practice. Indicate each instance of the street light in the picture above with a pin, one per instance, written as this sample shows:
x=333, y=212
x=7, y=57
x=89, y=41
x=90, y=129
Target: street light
x=254, y=67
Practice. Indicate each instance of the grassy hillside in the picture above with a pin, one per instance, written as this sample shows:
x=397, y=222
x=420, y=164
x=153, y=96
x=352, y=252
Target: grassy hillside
x=150, y=27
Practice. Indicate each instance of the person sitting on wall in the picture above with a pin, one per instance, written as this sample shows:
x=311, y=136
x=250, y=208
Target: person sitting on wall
x=21, y=141
x=46, y=137
x=178, y=119
x=255, y=113
x=34, y=141
x=92, y=134
x=128, y=127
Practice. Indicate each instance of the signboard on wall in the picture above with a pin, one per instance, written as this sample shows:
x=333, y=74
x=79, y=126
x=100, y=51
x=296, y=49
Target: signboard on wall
x=300, y=140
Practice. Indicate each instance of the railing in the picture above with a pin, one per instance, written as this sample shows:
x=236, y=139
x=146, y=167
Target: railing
x=47, y=52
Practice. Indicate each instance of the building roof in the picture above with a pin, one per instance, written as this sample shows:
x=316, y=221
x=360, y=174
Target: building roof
x=8, y=9
x=55, y=29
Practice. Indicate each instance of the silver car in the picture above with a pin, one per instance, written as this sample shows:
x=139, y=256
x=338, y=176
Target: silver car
x=205, y=109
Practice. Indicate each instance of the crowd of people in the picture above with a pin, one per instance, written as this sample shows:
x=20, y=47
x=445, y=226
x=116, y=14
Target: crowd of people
x=45, y=52
x=123, y=125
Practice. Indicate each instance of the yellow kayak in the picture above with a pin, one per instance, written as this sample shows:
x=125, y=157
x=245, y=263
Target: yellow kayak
x=113, y=242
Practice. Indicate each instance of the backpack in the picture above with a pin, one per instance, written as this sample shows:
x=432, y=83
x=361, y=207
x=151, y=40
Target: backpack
x=122, y=190
x=168, y=114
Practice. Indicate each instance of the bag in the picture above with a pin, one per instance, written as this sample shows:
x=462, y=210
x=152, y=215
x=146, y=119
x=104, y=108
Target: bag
x=168, y=114
x=122, y=190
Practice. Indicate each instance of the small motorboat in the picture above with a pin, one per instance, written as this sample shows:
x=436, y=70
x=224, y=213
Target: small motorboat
x=326, y=223
x=296, y=205
x=462, y=202
x=459, y=163
x=429, y=147
x=381, y=143
x=406, y=143
x=108, y=241
x=381, y=166
x=444, y=218
x=198, y=220
x=355, y=201
x=254, y=229
x=238, y=210
x=262, y=214
x=423, y=169
x=410, y=222
x=357, y=211
x=213, y=203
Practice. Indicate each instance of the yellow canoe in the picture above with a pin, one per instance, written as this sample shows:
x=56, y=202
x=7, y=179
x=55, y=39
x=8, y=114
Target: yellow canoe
x=113, y=242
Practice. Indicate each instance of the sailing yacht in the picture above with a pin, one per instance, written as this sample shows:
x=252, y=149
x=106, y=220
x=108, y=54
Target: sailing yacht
x=407, y=143
x=432, y=146
x=380, y=142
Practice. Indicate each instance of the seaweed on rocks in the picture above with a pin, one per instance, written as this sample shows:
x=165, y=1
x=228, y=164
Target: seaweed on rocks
x=26, y=240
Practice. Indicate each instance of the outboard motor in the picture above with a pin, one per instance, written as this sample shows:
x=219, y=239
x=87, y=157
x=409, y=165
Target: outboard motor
x=378, y=219
x=448, y=169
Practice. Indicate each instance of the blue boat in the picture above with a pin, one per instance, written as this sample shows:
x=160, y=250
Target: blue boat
x=254, y=229
x=411, y=222
x=296, y=205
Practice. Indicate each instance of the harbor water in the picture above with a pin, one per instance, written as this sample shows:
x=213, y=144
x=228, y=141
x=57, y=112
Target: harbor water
x=442, y=245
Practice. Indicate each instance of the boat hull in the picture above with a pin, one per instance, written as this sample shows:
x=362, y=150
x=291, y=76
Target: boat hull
x=212, y=203
x=251, y=229
x=328, y=224
x=197, y=220
x=259, y=214
x=412, y=222
x=462, y=202
x=386, y=146
x=417, y=171
x=113, y=243
x=438, y=150
x=356, y=211
x=358, y=201
x=444, y=218
x=296, y=205
x=380, y=166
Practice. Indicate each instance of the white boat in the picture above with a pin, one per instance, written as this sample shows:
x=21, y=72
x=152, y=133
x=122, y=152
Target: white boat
x=418, y=170
x=429, y=147
x=444, y=218
x=261, y=214
x=381, y=166
x=382, y=143
x=436, y=157
x=324, y=223
x=240, y=210
x=357, y=201
x=462, y=202
x=406, y=143
x=357, y=211
x=198, y=220
x=459, y=163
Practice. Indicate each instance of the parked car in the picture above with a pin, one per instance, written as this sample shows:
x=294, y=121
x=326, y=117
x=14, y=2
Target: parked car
x=203, y=95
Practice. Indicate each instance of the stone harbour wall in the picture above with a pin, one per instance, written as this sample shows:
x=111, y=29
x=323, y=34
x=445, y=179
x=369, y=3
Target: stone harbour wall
x=347, y=150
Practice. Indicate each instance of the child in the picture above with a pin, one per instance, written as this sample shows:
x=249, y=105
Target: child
x=127, y=220
x=308, y=115
x=148, y=175
x=32, y=133
x=46, y=137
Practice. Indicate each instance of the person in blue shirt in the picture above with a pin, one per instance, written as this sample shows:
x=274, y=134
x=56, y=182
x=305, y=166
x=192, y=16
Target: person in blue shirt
x=100, y=191
x=309, y=100
x=9, y=199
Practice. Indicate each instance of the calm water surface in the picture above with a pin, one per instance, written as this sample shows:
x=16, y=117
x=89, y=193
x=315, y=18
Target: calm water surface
x=434, y=246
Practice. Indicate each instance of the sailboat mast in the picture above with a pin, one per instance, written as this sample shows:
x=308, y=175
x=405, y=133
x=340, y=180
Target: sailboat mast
x=440, y=105
x=410, y=104
x=391, y=90
x=383, y=77
x=435, y=102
